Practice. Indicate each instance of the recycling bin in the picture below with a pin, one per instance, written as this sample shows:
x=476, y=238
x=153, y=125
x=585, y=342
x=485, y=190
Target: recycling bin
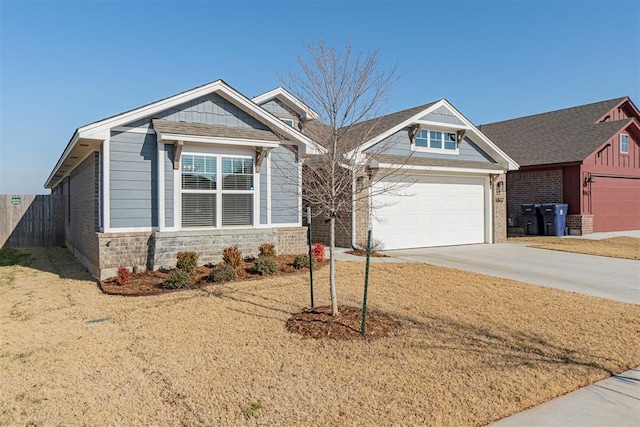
x=532, y=219
x=554, y=218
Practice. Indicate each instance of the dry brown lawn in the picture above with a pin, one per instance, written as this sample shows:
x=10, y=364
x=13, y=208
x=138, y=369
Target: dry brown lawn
x=472, y=349
x=615, y=247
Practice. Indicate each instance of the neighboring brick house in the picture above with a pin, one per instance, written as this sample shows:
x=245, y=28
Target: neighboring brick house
x=453, y=178
x=586, y=156
x=200, y=171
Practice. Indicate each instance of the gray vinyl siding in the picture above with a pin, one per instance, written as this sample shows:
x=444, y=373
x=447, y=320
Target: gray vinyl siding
x=168, y=186
x=399, y=144
x=210, y=109
x=263, y=192
x=279, y=108
x=132, y=180
x=442, y=115
x=284, y=186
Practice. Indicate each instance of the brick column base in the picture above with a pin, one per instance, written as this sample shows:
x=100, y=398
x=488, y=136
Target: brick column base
x=580, y=224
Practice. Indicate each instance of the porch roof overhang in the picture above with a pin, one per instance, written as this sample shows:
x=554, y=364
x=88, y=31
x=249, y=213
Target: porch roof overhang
x=429, y=164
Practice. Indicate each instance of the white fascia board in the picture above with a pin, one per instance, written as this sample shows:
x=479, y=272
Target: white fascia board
x=282, y=93
x=396, y=128
x=446, y=169
x=70, y=145
x=170, y=138
x=436, y=125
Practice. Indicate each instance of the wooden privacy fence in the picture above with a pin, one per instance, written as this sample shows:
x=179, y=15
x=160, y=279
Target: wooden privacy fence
x=31, y=220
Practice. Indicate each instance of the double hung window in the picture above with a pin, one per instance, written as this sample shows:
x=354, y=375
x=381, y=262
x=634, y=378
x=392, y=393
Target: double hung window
x=202, y=193
x=624, y=143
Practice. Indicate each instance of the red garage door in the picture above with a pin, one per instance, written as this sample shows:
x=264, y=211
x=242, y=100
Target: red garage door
x=616, y=204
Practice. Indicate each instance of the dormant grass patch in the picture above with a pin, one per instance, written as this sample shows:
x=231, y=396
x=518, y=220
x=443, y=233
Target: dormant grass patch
x=615, y=247
x=471, y=349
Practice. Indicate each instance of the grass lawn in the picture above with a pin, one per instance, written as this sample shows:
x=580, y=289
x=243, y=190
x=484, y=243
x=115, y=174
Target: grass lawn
x=615, y=247
x=471, y=349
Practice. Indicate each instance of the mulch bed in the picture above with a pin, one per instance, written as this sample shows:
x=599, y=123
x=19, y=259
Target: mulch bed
x=318, y=323
x=360, y=252
x=149, y=282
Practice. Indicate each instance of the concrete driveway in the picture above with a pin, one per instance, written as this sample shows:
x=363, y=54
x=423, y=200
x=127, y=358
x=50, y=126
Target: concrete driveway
x=613, y=278
x=614, y=401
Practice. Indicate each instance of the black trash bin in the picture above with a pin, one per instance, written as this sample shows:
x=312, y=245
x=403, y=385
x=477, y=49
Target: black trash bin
x=555, y=218
x=532, y=219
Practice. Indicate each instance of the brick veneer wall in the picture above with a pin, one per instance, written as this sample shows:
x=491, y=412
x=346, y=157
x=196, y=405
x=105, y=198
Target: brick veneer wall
x=81, y=212
x=580, y=224
x=156, y=250
x=541, y=186
x=208, y=244
x=499, y=210
x=291, y=240
x=124, y=250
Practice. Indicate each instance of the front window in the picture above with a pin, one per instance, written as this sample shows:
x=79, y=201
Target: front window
x=624, y=143
x=436, y=140
x=201, y=194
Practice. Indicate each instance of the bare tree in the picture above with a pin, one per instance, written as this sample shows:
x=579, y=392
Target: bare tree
x=347, y=90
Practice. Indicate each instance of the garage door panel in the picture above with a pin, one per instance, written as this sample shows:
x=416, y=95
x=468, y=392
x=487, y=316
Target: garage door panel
x=441, y=211
x=615, y=204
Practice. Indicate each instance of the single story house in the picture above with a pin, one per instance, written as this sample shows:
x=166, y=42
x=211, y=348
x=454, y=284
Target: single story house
x=586, y=156
x=209, y=168
x=192, y=172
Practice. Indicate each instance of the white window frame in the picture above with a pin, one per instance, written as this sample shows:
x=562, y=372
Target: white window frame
x=218, y=153
x=429, y=149
x=285, y=121
x=626, y=138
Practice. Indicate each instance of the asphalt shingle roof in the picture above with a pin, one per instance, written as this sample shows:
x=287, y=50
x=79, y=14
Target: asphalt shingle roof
x=562, y=136
x=197, y=129
x=429, y=161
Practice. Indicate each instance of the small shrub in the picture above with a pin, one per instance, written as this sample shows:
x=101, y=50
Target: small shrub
x=232, y=256
x=187, y=261
x=177, y=279
x=266, y=266
x=124, y=276
x=302, y=261
x=267, y=250
x=221, y=274
x=318, y=252
x=376, y=245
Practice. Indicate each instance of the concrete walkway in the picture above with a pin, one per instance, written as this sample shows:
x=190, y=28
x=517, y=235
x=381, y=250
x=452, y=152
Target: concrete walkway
x=614, y=401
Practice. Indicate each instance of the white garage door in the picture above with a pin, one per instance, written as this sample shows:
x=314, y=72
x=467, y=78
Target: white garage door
x=434, y=211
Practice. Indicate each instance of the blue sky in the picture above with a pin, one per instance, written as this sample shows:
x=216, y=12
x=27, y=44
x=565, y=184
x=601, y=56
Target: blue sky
x=66, y=64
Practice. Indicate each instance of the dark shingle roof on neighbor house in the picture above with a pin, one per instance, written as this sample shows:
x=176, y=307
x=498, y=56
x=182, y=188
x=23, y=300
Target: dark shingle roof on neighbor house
x=562, y=136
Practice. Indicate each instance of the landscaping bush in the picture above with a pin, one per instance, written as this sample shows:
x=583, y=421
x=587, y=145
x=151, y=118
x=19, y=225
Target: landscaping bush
x=318, y=252
x=177, y=279
x=267, y=250
x=232, y=256
x=124, y=276
x=221, y=274
x=302, y=261
x=187, y=261
x=266, y=266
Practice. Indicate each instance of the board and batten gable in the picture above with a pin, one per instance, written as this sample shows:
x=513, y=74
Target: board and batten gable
x=399, y=144
x=209, y=109
x=133, y=183
x=442, y=115
x=285, y=207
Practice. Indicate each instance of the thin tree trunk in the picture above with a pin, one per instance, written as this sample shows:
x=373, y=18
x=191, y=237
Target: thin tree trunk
x=332, y=267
